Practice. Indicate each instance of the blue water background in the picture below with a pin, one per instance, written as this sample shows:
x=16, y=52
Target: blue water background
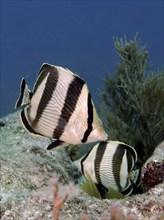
x=74, y=34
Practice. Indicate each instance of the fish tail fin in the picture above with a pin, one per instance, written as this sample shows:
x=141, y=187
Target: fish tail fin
x=25, y=95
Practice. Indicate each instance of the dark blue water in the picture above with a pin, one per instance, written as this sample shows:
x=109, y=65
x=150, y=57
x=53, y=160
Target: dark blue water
x=74, y=34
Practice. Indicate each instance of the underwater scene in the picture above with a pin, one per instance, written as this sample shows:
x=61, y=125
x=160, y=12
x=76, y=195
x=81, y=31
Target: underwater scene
x=82, y=110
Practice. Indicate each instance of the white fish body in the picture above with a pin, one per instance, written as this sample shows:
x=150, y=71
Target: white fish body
x=60, y=107
x=109, y=164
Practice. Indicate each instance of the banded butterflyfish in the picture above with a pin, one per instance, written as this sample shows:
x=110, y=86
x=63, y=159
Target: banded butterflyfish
x=111, y=164
x=60, y=107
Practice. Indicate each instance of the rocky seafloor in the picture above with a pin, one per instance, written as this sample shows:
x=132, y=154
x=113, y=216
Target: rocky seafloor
x=28, y=172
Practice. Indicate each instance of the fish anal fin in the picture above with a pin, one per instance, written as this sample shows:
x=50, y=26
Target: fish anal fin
x=57, y=144
x=102, y=189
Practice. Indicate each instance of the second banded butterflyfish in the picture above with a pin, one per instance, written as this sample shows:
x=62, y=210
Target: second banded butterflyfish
x=111, y=164
x=60, y=107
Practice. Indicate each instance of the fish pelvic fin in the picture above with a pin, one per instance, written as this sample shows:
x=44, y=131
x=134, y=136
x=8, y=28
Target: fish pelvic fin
x=24, y=96
x=57, y=144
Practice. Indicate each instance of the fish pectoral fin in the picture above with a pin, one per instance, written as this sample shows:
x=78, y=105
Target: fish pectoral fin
x=56, y=144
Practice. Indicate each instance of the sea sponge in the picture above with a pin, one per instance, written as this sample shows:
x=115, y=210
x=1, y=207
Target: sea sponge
x=153, y=170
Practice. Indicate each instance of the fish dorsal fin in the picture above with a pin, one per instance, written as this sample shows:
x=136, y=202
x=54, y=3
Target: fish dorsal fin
x=59, y=68
x=44, y=71
x=25, y=95
x=74, y=74
x=50, y=69
x=131, y=150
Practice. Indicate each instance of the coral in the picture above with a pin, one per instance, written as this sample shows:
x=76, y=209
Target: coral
x=152, y=172
x=28, y=171
x=58, y=202
x=117, y=213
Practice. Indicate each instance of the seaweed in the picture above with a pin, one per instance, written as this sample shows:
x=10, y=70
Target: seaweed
x=133, y=100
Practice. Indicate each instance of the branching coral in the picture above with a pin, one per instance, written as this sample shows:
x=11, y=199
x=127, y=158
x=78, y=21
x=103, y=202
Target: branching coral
x=133, y=100
x=115, y=212
x=58, y=202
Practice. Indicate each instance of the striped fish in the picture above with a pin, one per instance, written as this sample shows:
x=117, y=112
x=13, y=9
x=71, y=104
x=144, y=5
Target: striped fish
x=111, y=164
x=60, y=107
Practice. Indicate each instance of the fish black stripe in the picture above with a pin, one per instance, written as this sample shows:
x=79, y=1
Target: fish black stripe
x=45, y=69
x=26, y=123
x=98, y=158
x=129, y=160
x=102, y=189
x=22, y=88
x=83, y=159
x=73, y=93
x=131, y=156
x=116, y=163
x=90, y=119
x=50, y=86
